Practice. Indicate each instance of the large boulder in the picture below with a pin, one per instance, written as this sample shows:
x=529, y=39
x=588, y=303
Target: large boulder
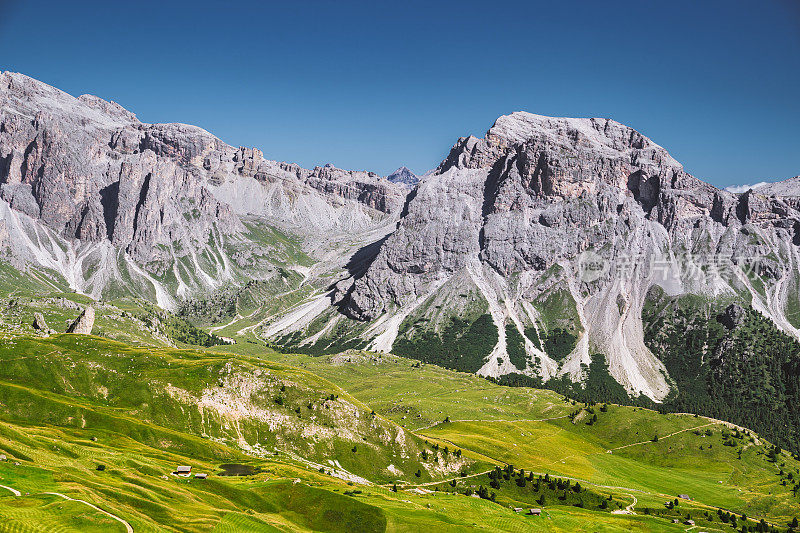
x=733, y=316
x=39, y=323
x=84, y=323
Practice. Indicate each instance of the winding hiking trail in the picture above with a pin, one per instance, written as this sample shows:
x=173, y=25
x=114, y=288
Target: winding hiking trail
x=633, y=504
x=629, y=509
x=661, y=438
x=128, y=527
x=490, y=420
x=15, y=492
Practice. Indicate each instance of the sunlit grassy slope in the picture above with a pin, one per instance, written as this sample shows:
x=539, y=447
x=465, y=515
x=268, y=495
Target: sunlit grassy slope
x=319, y=428
x=536, y=430
x=160, y=395
x=136, y=486
x=73, y=403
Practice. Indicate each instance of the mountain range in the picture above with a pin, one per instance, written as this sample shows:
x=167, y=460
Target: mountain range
x=531, y=254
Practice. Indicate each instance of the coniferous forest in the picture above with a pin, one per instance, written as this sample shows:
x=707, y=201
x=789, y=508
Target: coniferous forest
x=728, y=363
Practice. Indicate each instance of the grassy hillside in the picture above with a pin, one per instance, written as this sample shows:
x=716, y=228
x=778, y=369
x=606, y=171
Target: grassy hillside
x=539, y=431
x=356, y=441
x=137, y=487
x=418, y=395
x=106, y=423
x=160, y=395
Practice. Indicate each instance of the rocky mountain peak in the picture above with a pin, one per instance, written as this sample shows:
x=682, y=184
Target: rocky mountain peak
x=537, y=139
x=506, y=216
x=403, y=176
x=789, y=188
x=595, y=133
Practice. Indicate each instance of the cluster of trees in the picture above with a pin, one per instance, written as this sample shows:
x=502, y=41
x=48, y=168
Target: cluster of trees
x=748, y=375
x=599, y=386
x=337, y=342
x=737, y=522
x=227, y=301
x=788, y=478
x=559, y=343
x=176, y=328
x=591, y=418
x=221, y=304
x=515, y=345
x=461, y=345
x=540, y=489
x=435, y=455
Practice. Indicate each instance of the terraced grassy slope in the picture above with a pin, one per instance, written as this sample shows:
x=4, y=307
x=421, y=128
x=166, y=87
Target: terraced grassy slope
x=73, y=403
x=539, y=431
x=137, y=488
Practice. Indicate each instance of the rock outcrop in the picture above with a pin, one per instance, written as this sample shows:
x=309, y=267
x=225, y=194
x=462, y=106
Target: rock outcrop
x=39, y=323
x=733, y=316
x=84, y=323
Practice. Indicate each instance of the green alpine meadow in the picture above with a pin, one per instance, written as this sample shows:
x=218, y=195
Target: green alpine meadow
x=399, y=267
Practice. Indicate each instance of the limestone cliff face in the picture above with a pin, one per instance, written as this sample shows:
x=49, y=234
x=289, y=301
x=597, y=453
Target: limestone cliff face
x=93, y=174
x=533, y=191
x=89, y=170
x=513, y=214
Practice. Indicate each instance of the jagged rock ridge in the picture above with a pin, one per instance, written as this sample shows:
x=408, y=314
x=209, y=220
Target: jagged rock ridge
x=112, y=201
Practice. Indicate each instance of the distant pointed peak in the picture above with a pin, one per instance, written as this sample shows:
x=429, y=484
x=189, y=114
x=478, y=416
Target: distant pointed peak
x=403, y=176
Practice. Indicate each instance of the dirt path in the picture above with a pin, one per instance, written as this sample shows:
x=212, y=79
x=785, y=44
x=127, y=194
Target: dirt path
x=235, y=319
x=15, y=492
x=629, y=508
x=661, y=438
x=492, y=420
x=128, y=527
x=431, y=483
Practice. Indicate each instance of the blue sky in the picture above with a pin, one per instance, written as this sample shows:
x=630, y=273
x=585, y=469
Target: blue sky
x=372, y=86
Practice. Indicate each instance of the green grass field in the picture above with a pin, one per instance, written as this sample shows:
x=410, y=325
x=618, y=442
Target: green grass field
x=531, y=429
x=329, y=437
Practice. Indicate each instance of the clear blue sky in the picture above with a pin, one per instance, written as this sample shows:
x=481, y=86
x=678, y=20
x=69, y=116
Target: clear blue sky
x=372, y=86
